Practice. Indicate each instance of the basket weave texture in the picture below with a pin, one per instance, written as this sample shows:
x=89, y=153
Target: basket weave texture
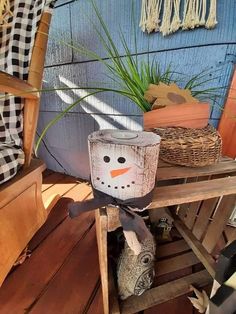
x=190, y=147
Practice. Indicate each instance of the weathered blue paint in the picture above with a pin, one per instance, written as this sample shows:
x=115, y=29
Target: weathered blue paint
x=189, y=52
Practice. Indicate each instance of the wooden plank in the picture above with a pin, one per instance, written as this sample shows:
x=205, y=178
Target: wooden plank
x=230, y=233
x=61, y=188
x=227, y=125
x=114, y=307
x=190, y=192
x=58, y=49
x=160, y=280
x=172, y=307
x=101, y=229
x=96, y=306
x=175, y=263
x=17, y=87
x=37, y=271
x=219, y=222
x=186, y=172
x=191, y=214
x=70, y=289
x=164, y=293
x=196, y=246
x=52, y=179
x=121, y=11
x=172, y=248
x=80, y=192
x=206, y=210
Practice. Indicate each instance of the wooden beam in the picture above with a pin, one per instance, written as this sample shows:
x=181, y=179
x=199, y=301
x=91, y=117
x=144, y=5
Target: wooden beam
x=196, y=191
x=177, y=172
x=101, y=230
x=202, y=254
x=227, y=126
x=165, y=292
x=17, y=87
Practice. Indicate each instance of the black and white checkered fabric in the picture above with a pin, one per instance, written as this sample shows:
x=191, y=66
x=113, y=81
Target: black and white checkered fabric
x=16, y=43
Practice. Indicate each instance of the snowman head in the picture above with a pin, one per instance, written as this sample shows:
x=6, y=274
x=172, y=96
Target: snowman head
x=121, y=163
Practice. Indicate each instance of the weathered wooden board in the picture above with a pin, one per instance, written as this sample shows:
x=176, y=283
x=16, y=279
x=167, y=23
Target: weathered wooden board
x=74, y=284
x=117, y=14
x=188, y=61
x=42, y=265
x=60, y=29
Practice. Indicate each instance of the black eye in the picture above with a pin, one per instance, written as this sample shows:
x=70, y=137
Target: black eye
x=106, y=158
x=121, y=160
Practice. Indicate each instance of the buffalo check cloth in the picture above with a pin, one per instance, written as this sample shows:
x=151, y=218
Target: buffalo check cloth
x=16, y=43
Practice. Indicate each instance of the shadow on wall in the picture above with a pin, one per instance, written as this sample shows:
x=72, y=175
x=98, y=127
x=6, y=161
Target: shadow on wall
x=64, y=148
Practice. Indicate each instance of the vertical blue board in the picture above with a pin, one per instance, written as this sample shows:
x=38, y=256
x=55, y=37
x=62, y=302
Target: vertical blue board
x=188, y=52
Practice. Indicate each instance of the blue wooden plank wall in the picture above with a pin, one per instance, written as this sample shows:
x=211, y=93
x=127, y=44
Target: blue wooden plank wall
x=189, y=52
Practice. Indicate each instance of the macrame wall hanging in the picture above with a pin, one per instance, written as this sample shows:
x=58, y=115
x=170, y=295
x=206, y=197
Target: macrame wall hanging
x=5, y=12
x=164, y=15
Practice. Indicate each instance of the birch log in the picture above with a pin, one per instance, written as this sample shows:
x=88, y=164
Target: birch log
x=123, y=163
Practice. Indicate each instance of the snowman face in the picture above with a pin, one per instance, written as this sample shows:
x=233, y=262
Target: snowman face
x=117, y=170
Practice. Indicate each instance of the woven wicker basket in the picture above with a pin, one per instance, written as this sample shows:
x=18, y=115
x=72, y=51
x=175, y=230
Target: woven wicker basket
x=190, y=147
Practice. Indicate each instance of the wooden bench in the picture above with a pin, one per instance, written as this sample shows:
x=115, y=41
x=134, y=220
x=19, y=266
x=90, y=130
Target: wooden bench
x=201, y=201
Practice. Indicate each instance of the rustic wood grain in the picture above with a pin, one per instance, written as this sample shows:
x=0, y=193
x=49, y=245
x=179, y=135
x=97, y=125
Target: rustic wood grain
x=177, y=172
x=51, y=179
x=165, y=292
x=172, y=307
x=172, y=248
x=101, y=230
x=176, y=263
x=206, y=210
x=171, y=195
x=219, y=222
x=79, y=192
x=42, y=266
x=72, y=286
x=96, y=306
x=199, y=251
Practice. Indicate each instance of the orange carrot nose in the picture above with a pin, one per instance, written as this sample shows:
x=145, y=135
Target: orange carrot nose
x=118, y=172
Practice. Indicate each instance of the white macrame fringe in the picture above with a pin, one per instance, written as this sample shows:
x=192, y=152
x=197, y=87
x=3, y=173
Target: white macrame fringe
x=202, y=12
x=165, y=27
x=150, y=15
x=176, y=21
x=5, y=10
x=194, y=15
x=211, y=21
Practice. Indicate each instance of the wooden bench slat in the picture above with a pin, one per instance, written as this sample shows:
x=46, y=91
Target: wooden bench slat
x=219, y=222
x=73, y=285
x=166, y=292
x=172, y=248
x=192, y=211
x=196, y=191
x=200, y=252
x=207, y=208
x=36, y=272
x=176, y=263
x=177, y=172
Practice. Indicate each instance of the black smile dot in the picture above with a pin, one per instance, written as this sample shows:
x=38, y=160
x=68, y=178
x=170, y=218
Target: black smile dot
x=102, y=182
x=98, y=178
x=128, y=186
x=109, y=186
x=116, y=187
x=133, y=182
x=122, y=187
